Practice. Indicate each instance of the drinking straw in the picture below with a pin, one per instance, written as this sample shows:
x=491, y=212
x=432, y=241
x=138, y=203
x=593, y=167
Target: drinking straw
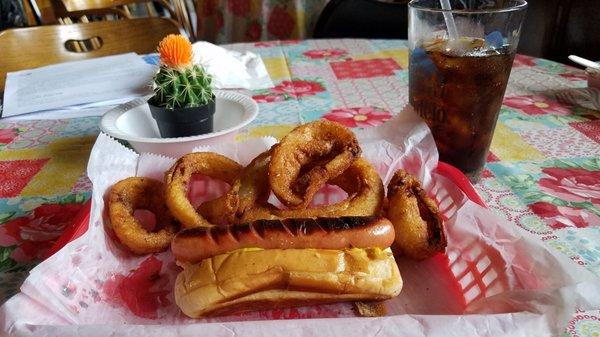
x=584, y=62
x=450, y=24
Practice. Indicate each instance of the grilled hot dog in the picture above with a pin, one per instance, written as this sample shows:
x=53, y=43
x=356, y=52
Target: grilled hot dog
x=196, y=244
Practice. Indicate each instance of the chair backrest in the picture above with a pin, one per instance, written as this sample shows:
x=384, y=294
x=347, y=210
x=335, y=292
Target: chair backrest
x=25, y=48
x=363, y=19
x=71, y=11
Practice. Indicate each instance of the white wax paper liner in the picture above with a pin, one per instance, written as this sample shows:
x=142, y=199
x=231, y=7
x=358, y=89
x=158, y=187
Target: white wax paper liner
x=495, y=280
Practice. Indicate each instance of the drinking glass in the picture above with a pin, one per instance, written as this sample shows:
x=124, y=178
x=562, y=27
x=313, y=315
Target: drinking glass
x=460, y=61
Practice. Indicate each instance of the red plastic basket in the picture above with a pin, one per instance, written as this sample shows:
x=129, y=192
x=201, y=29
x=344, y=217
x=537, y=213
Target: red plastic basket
x=81, y=222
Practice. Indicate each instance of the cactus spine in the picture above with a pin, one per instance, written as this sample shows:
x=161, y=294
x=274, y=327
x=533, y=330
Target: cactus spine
x=182, y=88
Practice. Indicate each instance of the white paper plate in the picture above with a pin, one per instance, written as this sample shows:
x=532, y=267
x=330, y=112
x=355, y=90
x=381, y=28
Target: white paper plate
x=134, y=123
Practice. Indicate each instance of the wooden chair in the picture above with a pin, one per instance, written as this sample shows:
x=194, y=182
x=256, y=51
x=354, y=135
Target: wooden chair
x=374, y=19
x=70, y=11
x=78, y=8
x=25, y=48
x=33, y=8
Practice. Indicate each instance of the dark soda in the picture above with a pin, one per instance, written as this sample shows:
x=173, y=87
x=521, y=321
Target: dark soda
x=458, y=89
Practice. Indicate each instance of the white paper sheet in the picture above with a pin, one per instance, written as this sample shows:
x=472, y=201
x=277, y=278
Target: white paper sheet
x=61, y=113
x=94, y=82
x=495, y=280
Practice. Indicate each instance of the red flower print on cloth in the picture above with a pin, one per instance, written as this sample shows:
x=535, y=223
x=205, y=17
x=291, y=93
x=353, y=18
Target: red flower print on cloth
x=358, y=117
x=536, y=105
x=281, y=24
x=317, y=54
x=564, y=216
x=7, y=135
x=16, y=174
x=492, y=157
x=298, y=88
x=35, y=233
x=523, y=61
x=571, y=184
x=588, y=128
x=238, y=7
x=143, y=291
x=365, y=68
x=268, y=98
x=253, y=31
x=486, y=173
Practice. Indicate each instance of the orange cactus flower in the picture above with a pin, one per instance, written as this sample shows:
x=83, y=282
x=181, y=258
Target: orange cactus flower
x=175, y=51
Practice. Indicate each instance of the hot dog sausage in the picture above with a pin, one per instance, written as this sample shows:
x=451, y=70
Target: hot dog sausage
x=196, y=244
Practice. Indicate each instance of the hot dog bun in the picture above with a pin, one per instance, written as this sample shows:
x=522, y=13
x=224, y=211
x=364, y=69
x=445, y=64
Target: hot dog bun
x=255, y=279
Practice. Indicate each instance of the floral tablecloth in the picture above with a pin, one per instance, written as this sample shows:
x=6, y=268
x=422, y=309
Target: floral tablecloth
x=543, y=171
x=226, y=21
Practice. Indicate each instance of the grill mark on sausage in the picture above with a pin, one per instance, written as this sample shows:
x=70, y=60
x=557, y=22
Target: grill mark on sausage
x=300, y=225
x=259, y=228
x=271, y=226
x=218, y=233
x=318, y=227
x=240, y=232
x=294, y=227
x=285, y=224
x=206, y=233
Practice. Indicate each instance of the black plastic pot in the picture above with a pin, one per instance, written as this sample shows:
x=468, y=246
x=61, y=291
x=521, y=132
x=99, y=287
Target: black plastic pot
x=183, y=122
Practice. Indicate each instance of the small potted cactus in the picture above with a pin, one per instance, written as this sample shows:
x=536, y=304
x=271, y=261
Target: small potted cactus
x=183, y=103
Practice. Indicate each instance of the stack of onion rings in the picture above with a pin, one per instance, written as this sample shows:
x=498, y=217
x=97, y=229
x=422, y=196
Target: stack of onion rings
x=360, y=181
x=305, y=160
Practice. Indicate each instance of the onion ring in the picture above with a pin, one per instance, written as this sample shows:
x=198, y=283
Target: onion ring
x=361, y=181
x=329, y=146
x=140, y=193
x=252, y=186
x=219, y=211
x=249, y=188
x=178, y=177
x=416, y=218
